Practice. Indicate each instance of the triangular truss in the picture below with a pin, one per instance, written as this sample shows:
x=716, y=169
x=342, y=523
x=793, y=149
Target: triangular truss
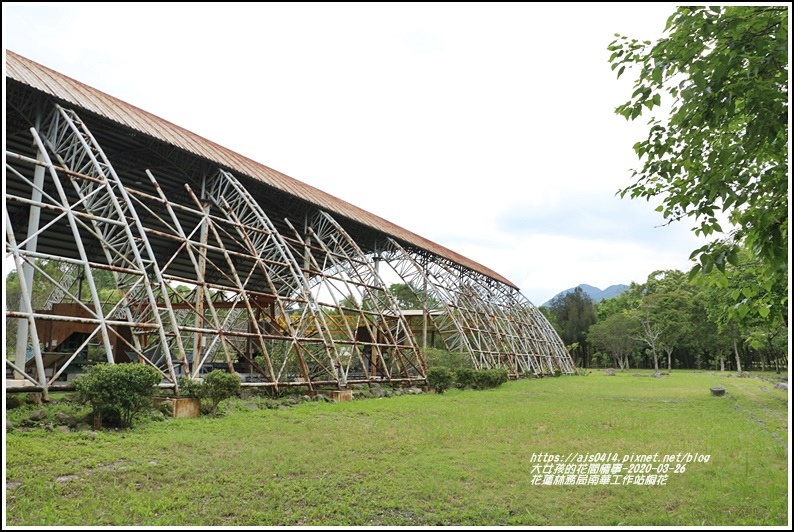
x=127, y=266
x=493, y=323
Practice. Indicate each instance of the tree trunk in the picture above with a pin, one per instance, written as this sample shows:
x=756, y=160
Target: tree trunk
x=736, y=352
x=655, y=363
x=722, y=362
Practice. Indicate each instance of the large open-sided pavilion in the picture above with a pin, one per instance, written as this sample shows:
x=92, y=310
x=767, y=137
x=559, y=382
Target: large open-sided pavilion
x=134, y=240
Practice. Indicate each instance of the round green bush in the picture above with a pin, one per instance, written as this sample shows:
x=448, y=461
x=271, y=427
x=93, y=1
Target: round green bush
x=220, y=385
x=117, y=392
x=439, y=378
x=464, y=377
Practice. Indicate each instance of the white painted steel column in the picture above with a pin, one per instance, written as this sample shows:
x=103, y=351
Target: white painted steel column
x=78, y=242
x=424, y=308
x=202, y=263
x=27, y=308
x=27, y=269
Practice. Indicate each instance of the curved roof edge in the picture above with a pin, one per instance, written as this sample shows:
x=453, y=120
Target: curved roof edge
x=69, y=90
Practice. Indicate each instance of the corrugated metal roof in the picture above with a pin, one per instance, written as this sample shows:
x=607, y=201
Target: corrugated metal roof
x=78, y=94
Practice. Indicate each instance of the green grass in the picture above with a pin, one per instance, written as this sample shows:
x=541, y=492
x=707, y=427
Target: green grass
x=463, y=458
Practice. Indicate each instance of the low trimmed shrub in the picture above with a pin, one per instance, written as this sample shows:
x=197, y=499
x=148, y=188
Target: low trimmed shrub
x=490, y=378
x=192, y=387
x=439, y=378
x=465, y=378
x=220, y=385
x=118, y=392
x=217, y=386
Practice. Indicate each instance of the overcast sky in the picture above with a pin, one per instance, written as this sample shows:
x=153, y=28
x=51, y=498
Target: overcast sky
x=487, y=128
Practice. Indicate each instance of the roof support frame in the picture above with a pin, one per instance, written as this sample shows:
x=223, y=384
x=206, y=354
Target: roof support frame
x=286, y=281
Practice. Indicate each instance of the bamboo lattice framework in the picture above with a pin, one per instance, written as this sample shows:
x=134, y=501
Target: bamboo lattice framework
x=129, y=249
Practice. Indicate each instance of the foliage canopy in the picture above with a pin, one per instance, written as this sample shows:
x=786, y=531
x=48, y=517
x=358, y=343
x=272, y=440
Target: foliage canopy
x=724, y=147
x=118, y=390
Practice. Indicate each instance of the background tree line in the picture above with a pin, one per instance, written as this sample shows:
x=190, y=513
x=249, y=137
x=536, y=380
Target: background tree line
x=670, y=322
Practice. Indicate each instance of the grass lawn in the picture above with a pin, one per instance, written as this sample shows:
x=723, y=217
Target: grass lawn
x=464, y=458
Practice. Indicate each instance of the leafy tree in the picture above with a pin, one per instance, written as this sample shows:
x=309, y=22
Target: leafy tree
x=411, y=297
x=724, y=146
x=452, y=360
x=618, y=304
x=41, y=291
x=650, y=332
x=617, y=334
x=706, y=341
x=405, y=295
x=671, y=297
x=550, y=316
x=574, y=313
x=734, y=320
x=697, y=323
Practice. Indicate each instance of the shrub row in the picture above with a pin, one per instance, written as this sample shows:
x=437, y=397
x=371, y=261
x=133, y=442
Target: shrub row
x=441, y=378
x=119, y=392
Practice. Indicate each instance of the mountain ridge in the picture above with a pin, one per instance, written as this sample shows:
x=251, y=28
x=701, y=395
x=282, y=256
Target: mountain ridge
x=596, y=294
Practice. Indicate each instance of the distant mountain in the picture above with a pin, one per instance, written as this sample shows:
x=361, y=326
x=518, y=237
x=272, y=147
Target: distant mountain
x=596, y=294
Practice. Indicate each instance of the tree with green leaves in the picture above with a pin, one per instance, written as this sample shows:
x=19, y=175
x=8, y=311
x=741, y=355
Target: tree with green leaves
x=409, y=297
x=723, y=149
x=671, y=296
x=405, y=295
x=574, y=313
x=615, y=329
x=619, y=304
x=706, y=343
x=724, y=305
x=650, y=330
x=617, y=334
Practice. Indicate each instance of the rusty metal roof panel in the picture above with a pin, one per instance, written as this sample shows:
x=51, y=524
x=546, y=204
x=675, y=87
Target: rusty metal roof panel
x=67, y=89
